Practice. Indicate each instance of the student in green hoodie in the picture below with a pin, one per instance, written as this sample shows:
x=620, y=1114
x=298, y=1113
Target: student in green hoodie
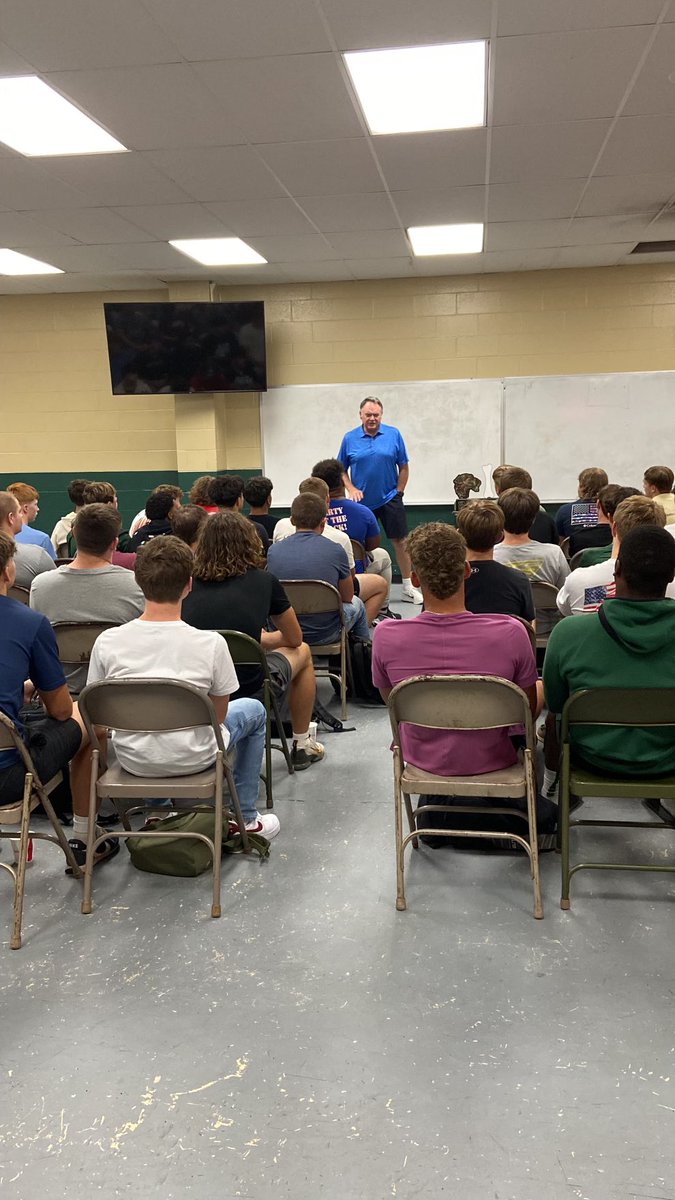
x=628, y=643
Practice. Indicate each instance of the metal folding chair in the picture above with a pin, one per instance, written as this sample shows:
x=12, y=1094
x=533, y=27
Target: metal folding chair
x=360, y=553
x=313, y=596
x=75, y=640
x=155, y=706
x=21, y=594
x=35, y=792
x=445, y=702
x=246, y=652
x=565, y=547
x=544, y=596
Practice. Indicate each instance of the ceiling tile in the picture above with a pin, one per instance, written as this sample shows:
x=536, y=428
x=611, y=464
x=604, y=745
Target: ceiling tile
x=336, y=214
x=440, y=206
x=592, y=256
x=545, y=16
x=323, y=168
x=167, y=221
x=311, y=248
x=619, y=194
x=208, y=30
x=536, y=200
x=457, y=264
x=518, y=260
x=220, y=173
x=433, y=160
x=564, y=76
x=12, y=63
x=26, y=185
x=376, y=243
x=381, y=23
x=21, y=229
x=70, y=34
x=142, y=256
x=567, y=149
x=645, y=143
x=92, y=226
x=247, y=218
x=382, y=268
x=522, y=235
x=114, y=179
x=654, y=91
x=285, y=99
x=599, y=231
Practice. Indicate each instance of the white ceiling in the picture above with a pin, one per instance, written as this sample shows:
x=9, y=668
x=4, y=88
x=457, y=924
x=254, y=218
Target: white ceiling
x=241, y=122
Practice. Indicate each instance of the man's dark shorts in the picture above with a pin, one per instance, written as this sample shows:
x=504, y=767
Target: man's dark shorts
x=52, y=744
x=393, y=519
x=281, y=674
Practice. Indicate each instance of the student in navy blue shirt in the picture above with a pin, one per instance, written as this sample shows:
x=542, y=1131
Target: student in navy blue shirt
x=357, y=521
x=582, y=513
x=376, y=471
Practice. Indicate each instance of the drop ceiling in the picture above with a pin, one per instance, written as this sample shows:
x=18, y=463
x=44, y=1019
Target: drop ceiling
x=240, y=121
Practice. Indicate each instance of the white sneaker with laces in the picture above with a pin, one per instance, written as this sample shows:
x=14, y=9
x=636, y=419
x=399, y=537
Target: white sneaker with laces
x=265, y=823
x=412, y=595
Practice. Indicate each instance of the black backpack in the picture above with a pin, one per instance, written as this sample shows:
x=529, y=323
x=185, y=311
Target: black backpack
x=360, y=685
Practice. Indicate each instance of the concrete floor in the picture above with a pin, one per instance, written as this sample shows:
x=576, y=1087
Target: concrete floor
x=316, y=1043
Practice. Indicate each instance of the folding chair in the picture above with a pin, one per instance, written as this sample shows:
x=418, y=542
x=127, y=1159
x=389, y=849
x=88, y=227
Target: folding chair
x=575, y=560
x=312, y=596
x=565, y=547
x=75, y=640
x=21, y=594
x=463, y=702
x=630, y=708
x=360, y=553
x=544, y=596
x=531, y=633
x=34, y=793
x=154, y=706
x=246, y=652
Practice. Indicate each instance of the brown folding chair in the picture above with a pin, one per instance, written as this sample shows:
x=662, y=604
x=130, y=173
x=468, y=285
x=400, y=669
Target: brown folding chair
x=21, y=594
x=548, y=613
x=75, y=640
x=360, y=553
x=313, y=596
x=530, y=632
x=246, y=652
x=35, y=792
x=565, y=547
x=463, y=702
x=575, y=560
x=154, y=706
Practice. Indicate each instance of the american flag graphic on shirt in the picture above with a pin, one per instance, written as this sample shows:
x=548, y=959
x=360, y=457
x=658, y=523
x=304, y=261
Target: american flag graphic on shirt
x=584, y=515
x=595, y=596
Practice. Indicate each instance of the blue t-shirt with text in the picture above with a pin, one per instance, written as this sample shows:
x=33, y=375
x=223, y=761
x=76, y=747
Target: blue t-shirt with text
x=373, y=462
x=356, y=520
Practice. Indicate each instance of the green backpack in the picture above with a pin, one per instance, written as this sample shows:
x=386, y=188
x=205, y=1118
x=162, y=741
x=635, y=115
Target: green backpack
x=167, y=855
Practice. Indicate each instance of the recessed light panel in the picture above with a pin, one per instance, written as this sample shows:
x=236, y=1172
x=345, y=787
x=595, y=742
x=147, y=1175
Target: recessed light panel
x=422, y=87
x=36, y=120
x=446, y=239
x=13, y=263
x=218, y=252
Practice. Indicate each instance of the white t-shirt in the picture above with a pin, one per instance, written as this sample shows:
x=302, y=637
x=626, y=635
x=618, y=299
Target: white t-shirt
x=285, y=528
x=588, y=587
x=138, y=522
x=166, y=650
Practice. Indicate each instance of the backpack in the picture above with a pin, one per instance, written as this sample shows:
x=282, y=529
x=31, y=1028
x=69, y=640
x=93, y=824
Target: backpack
x=360, y=686
x=185, y=857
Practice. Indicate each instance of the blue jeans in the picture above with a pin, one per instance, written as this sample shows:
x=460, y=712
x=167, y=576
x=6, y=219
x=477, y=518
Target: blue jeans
x=245, y=723
x=356, y=619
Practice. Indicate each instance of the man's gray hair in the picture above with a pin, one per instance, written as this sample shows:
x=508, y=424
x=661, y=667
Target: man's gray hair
x=371, y=400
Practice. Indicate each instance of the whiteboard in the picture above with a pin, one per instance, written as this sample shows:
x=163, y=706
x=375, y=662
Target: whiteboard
x=449, y=426
x=556, y=425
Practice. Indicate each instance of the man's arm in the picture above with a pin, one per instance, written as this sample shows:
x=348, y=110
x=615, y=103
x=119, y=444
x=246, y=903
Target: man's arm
x=354, y=493
x=287, y=632
x=220, y=704
x=58, y=703
x=402, y=482
x=533, y=699
x=346, y=589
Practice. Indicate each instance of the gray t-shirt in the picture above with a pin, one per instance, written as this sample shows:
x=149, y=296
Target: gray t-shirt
x=106, y=594
x=538, y=561
x=307, y=555
x=31, y=561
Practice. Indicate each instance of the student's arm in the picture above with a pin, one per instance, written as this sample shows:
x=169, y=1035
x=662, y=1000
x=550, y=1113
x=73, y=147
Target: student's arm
x=220, y=704
x=533, y=699
x=346, y=589
x=46, y=673
x=287, y=632
x=58, y=703
x=372, y=543
x=563, y=568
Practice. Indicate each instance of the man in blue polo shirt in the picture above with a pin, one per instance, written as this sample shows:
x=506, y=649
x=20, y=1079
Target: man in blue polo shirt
x=376, y=471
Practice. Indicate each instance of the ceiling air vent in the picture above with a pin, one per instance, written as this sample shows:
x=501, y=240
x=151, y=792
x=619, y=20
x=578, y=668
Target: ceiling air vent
x=665, y=247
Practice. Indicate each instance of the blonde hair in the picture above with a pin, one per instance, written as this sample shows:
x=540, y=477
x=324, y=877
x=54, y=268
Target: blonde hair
x=637, y=510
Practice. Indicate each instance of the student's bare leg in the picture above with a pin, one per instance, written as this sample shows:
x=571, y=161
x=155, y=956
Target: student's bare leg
x=373, y=592
x=302, y=692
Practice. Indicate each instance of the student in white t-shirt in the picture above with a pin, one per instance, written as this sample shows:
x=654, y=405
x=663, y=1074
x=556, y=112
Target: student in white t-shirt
x=160, y=644
x=587, y=588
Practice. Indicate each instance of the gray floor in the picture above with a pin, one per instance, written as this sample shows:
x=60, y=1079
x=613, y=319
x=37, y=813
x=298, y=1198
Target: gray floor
x=316, y=1043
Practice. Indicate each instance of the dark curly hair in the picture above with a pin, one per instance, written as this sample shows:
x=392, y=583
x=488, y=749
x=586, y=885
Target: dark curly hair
x=228, y=546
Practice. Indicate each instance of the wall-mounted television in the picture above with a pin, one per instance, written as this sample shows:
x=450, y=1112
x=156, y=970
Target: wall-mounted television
x=158, y=349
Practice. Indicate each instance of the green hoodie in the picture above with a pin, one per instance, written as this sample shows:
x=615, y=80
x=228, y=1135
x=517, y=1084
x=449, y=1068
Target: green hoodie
x=641, y=654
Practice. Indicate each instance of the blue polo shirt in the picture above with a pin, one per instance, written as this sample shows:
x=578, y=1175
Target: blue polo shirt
x=356, y=520
x=28, y=650
x=35, y=537
x=373, y=462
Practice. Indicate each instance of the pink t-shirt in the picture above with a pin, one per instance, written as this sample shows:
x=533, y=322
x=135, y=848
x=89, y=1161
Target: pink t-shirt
x=459, y=644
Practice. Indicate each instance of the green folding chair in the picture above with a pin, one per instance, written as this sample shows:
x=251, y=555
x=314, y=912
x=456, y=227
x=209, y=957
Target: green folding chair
x=630, y=708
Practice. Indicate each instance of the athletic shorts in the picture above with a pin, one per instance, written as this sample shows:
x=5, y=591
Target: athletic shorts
x=51, y=744
x=392, y=517
x=281, y=673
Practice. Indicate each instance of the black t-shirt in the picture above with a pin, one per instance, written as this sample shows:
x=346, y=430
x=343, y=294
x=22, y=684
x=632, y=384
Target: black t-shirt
x=585, y=539
x=147, y=532
x=244, y=603
x=543, y=529
x=494, y=588
x=268, y=522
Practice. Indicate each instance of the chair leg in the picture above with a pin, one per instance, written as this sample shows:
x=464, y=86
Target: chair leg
x=60, y=835
x=534, y=843
x=15, y=940
x=398, y=818
x=343, y=674
x=411, y=820
x=91, y=829
x=268, y=747
x=217, y=838
x=282, y=736
x=564, y=820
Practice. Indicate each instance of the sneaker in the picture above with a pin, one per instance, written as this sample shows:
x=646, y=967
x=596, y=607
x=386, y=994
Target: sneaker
x=387, y=614
x=302, y=757
x=411, y=595
x=265, y=823
x=107, y=849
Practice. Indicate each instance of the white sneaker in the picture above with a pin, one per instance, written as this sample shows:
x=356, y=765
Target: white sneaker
x=412, y=595
x=265, y=823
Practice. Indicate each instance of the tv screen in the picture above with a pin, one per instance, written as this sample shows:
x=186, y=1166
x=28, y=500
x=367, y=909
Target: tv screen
x=157, y=349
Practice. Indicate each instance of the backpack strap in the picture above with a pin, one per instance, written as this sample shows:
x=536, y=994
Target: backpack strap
x=607, y=627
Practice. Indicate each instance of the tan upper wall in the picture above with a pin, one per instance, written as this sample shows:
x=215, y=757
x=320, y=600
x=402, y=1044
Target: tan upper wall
x=58, y=413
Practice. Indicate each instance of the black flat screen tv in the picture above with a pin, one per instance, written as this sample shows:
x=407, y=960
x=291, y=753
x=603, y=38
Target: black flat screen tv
x=158, y=349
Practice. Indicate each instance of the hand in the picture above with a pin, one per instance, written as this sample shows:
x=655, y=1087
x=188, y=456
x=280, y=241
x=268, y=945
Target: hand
x=355, y=493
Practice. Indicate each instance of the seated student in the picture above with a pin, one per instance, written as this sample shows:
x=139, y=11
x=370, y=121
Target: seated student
x=445, y=639
x=543, y=527
x=63, y=527
x=537, y=560
x=141, y=517
x=582, y=513
x=232, y=590
x=609, y=499
x=356, y=520
x=199, y=493
x=160, y=644
x=187, y=523
x=588, y=587
x=285, y=528
x=227, y=493
x=308, y=555
x=99, y=491
x=28, y=501
x=258, y=496
x=628, y=643
x=157, y=509
x=29, y=666
x=491, y=587
x=29, y=561
x=91, y=588
x=658, y=485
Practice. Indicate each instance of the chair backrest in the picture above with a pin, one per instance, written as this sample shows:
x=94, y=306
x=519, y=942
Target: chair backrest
x=532, y=635
x=575, y=560
x=10, y=739
x=244, y=650
x=631, y=707
x=565, y=547
x=459, y=702
x=75, y=639
x=312, y=596
x=147, y=706
x=359, y=552
x=544, y=594
x=19, y=593
x=63, y=562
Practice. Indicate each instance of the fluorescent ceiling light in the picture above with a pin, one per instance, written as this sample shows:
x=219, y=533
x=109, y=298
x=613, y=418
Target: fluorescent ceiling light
x=446, y=239
x=36, y=120
x=424, y=87
x=13, y=263
x=218, y=252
